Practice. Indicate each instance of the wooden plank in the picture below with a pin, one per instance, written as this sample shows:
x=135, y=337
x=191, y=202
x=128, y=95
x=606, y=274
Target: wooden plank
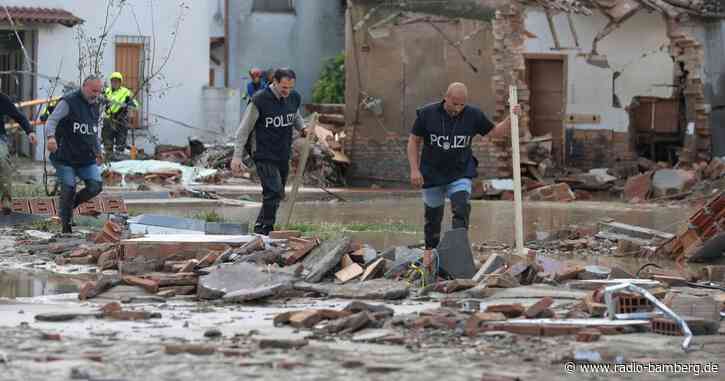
x=349, y=273
x=583, y=119
x=635, y=231
x=374, y=269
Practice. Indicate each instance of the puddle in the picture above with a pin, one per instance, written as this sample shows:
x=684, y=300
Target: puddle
x=26, y=284
x=490, y=220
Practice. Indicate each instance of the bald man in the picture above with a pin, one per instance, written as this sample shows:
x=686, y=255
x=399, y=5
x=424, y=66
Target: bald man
x=447, y=166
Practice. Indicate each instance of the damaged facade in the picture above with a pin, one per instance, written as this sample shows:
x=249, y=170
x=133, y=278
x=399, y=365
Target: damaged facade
x=50, y=30
x=600, y=82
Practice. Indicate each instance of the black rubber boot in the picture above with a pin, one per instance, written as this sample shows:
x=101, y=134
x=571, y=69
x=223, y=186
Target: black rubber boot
x=432, y=228
x=461, y=209
x=266, y=218
x=65, y=211
x=92, y=189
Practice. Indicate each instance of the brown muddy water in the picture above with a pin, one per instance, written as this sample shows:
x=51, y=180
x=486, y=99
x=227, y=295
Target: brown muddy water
x=20, y=284
x=490, y=220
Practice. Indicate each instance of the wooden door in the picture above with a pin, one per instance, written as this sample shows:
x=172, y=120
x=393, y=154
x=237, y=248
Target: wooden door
x=128, y=63
x=546, y=83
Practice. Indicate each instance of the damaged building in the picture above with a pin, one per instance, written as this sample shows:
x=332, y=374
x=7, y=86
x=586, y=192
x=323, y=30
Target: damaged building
x=601, y=82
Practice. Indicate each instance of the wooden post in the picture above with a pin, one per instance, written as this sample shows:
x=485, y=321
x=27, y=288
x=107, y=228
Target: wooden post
x=518, y=207
x=300, y=169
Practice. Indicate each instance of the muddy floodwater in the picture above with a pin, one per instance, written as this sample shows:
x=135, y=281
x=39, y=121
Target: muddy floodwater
x=20, y=284
x=490, y=220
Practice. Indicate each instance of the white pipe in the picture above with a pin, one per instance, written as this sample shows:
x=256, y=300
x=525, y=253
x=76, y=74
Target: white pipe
x=518, y=207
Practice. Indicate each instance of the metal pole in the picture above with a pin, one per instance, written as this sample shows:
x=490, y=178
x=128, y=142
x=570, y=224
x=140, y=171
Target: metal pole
x=518, y=208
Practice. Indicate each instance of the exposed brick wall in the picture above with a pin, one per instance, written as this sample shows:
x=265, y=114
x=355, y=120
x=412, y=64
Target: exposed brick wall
x=387, y=161
x=689, y=56
x=587, y=149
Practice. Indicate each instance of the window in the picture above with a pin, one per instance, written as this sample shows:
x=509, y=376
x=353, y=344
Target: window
x=274, y=6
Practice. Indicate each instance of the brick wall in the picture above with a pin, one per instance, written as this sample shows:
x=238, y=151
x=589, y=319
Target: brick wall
x=587, y=149
x=387, y=162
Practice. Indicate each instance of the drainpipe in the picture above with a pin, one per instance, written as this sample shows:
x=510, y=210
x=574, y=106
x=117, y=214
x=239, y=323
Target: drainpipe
x=226, y=43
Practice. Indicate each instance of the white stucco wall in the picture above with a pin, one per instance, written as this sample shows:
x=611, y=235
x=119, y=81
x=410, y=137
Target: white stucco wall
x=187, y=70
x=638, y=49
x=299, y=41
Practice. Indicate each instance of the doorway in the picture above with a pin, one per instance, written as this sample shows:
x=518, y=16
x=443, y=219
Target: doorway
x=547, y=83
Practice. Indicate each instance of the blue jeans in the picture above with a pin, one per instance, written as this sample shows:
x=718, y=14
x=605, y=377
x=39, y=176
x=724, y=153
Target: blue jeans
x=69, y=199
x=436, y=196
x=459, y=192
x=67, y=175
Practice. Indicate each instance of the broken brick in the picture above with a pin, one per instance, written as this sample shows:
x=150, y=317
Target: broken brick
x=208, y=260
x=310, y=318
x=300, y=248
x=282, y=343
x=569, y=273
x=473, y=324
x=558, y=329
x=111, y=233
x=284, y=234
x=554, y=193
x=638, y=188
x=519, y=329
x=43, y=206
x=436, y=321
x=588, y=335
x=20, y=206
x=132, y=315
x=62, y=261
x=509, y=310
x=90, y=290
x=188, y=266
x=108, y=260
x=111, y=205
x=178, y=279
x=50, y=336
x=594, y=308
x=110, y=308
x=149, y=285
x=174, y=349
x=539, y=307
x=90, y=208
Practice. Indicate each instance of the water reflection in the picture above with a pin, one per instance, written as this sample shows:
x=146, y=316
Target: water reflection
x=24, y=284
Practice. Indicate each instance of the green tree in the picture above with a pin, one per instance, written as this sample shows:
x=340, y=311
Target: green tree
x=330, y=88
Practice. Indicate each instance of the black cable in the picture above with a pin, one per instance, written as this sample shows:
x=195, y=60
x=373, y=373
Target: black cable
x=645, y=266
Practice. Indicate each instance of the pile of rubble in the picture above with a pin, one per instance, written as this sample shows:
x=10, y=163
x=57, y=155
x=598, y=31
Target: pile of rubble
x=325, y=166
x=634, y=182
x=527, y=295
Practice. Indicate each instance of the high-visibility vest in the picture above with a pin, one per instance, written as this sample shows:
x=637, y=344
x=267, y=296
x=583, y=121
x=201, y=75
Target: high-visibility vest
x=117, y=99
x=49, y=107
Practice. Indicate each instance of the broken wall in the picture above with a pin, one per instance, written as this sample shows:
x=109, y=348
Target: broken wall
x=638, y=50
x=714, y=37
x=409, y=63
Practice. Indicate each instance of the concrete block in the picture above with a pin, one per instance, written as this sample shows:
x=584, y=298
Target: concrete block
x=454, y=253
